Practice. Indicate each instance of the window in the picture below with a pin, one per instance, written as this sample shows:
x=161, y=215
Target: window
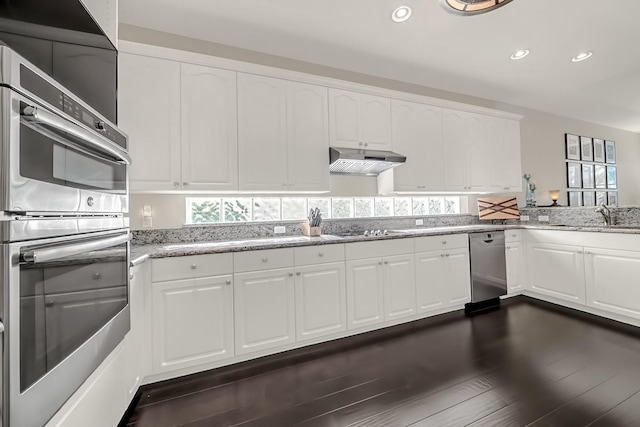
x=202, y=210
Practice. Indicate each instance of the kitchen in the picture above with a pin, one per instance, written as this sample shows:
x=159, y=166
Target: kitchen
x=231, y=111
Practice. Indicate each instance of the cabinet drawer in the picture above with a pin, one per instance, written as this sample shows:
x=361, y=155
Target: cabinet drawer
x=189, y=267
x=378, y=248
x=263, y=260
x=435, y=243
x=318, y=254
x=511, y=236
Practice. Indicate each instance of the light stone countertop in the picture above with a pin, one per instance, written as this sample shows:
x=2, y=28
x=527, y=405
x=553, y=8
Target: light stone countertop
x=140, y=254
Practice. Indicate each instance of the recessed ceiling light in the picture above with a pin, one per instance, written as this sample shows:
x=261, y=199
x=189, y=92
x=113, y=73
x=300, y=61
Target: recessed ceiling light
x=520, y=54
x=581, y=56
x=401, y=14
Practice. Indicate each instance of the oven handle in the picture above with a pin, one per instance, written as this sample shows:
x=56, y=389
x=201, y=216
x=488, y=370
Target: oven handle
x=41, y=116
x=51, y=254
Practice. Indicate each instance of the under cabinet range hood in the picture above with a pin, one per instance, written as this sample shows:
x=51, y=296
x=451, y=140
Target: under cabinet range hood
x=351, y=161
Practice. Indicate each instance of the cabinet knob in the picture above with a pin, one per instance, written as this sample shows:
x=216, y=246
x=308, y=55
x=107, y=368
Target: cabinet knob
x=184, y=184
x=386, y=262
x=320, y=254
x=514, y=235
x=360, y=144
x=176, y=184
x=228, y=282
x=444, y=242
x=379, y=262
x=442, y=255
x=579, y=251
x=131, y=276
x=446, y=255
x=265, y=259
x=96, y=276
x=505, y=188
x=297, y=273
x=587, y=252
x=290, y=274
x=194, y=266
x=366, y=144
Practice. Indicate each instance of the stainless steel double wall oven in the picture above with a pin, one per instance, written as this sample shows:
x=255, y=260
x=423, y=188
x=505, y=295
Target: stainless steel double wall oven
x=65, y=241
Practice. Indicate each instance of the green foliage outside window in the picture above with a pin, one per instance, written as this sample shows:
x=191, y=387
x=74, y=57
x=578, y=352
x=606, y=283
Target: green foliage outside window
x=206, y=211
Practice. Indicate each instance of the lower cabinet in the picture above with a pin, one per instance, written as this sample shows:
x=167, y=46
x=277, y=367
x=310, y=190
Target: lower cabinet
x=192, y=322
x=135, y=343
x=515, y=263
x=264, y=304
x=556, y=270
x=442, y=279
x=399, y=286
x=613, y=280
x=320, y=305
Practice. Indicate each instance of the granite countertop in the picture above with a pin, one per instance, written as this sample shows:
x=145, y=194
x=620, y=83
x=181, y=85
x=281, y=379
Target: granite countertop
x=141, y=253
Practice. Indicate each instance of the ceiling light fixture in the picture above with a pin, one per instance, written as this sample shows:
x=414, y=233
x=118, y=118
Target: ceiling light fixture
x=520, y=54
x=581, y=56
x=401, y=14
x=472, y=7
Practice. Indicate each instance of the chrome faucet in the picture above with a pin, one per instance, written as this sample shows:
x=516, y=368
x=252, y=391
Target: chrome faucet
x=606, y=213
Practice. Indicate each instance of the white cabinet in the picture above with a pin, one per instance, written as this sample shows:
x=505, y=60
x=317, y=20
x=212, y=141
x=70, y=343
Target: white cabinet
x=182, y=124
x=365, y=292
x=209, y=129
x=442, y=279
x=264, y=304
x=613, y=280
x=359, y=121
x=556, y=270
x=380, y=282
x=320, y=292
x=282, y=135
x=481, y=153
x=515, y=261
x=135, y=342
x=192, y=322
x=149, y=112
x=399, y=286
x=416, y=131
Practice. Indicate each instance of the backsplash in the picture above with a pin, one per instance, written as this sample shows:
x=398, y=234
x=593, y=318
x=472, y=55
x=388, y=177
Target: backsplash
x=239, y=231
x=581, y=216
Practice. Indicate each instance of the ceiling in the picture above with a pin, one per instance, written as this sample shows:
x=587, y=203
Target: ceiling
x=463, y=54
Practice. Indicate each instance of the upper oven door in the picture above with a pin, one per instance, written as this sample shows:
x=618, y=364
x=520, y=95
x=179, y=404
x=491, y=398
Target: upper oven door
x=54, y=164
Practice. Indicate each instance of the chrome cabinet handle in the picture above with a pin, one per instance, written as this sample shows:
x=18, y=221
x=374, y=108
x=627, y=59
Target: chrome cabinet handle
x=386, y=262
x=37, y=256
x=360, y=144
x=379, y=262
x=228, y=282
x=366, y=144
x=86, y=138
x=446, y=255
x=290, y=274
x=320, y=254
x=265, y=259
x=442, y=255
x=297, y=273
x=184, y=184
x=194, y=266
x=96, y=276
x=444, y=242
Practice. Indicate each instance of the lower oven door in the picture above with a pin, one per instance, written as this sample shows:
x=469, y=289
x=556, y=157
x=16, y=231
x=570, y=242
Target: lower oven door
x=68, y=308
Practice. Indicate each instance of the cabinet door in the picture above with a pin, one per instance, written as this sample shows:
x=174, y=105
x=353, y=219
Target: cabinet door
x=264, y=304
x=262, y=133
x=417, y=133
x=149, y=112
x=556, y=270
x=455, y=132
x=375, y=122
x=105, y=13
x=135, y=340
x=192, y=322
x=365, y=293
x=514, y=256
x=209, y=129
x=479, y=152
x=613, y=281
x=307, y=137
x=344, y=119
x=320, y=300
x=504, y=171
x=399, y=287
x=458, y=275
x=432, y=283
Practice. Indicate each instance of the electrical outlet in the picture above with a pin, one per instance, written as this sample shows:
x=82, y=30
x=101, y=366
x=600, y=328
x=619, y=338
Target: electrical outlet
x=543, y=218
x=419, y=221
x=147, y=222
x=146, y=210
x=524, y=218
x=279, y=229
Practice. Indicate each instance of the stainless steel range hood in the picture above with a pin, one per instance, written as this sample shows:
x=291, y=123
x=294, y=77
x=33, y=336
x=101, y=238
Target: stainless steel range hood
x=350, y=161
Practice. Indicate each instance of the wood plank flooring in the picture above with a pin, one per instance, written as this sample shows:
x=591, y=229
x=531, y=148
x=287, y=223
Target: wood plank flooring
x=524, y=364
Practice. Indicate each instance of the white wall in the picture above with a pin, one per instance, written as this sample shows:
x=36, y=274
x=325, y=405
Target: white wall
x=542, y=134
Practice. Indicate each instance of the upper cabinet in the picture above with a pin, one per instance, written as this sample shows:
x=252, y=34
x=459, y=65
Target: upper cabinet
x=416, y=130
x=105, y=13
x=182, y=124
x=149, y=112
x=359, y=121
x=283, y=136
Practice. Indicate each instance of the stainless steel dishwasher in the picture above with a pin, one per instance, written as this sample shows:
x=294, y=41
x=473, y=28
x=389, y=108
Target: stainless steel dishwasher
x=488, y=271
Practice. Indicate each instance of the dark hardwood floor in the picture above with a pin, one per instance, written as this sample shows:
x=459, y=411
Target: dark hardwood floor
x=524, y=364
